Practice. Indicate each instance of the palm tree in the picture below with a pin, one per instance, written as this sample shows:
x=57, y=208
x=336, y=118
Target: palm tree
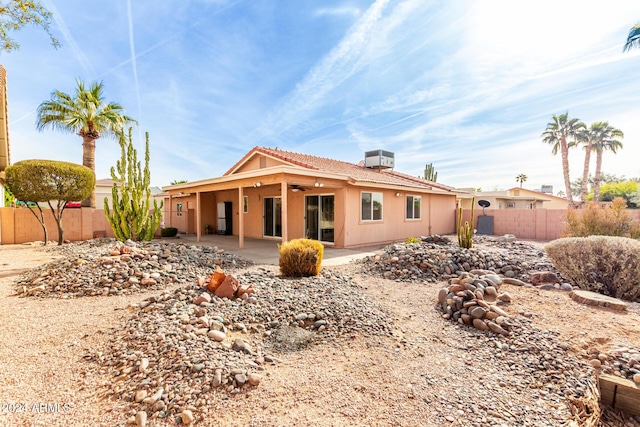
x=588, y=137
x=606, y=141
x=633, y=39
x=521, y=178
x=561, y=133
x=88, y=115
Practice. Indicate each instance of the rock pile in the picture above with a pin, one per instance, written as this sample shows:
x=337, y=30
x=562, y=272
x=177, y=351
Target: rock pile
x=175, y=356
x=467, y=300
x=106, y=267
x=436, y=258
x=623, y=362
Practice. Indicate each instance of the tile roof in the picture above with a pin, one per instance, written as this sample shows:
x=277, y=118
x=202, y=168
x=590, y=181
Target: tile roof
x=356, y=172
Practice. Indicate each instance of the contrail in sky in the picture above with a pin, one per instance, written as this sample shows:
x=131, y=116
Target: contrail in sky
x=134, y=64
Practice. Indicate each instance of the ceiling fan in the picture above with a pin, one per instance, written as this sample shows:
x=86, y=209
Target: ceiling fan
x=297, y=187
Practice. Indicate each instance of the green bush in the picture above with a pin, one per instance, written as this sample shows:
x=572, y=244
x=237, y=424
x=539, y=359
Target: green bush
x=595, y=220
x=169, y=232
x=300, y=257
x=604, y=264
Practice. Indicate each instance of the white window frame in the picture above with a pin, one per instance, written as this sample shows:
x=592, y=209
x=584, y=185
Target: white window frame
x=413, y=205
x=373, y=195
x=511, y=205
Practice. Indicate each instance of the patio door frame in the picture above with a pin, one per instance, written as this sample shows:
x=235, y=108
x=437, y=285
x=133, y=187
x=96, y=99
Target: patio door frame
x=313, y=221
x=272, y=216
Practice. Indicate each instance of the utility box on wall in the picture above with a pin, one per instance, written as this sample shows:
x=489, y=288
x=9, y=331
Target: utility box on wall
x=485, y=224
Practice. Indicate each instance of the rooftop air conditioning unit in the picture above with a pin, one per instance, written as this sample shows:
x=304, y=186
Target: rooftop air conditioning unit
x=547, y=189
x=379, y=159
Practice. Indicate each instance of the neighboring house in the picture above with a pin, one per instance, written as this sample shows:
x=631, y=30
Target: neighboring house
x=104, y=188
x=5, y=159
x=514, y=198
x=282, y=195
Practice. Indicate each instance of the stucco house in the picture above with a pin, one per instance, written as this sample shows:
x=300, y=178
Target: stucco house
x=513, y=198
x=104, y=188
x=283, y=195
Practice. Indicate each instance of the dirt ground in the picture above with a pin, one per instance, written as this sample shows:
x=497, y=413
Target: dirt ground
x=365, y=381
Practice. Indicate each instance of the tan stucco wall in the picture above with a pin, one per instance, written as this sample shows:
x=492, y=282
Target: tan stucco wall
x=254, y=164
x=437, y=217
x=437, y=213
x=20, y=226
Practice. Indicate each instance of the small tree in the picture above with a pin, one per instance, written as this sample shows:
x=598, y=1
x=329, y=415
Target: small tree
x=46, y=181
x=131, y=195
x=16, y=14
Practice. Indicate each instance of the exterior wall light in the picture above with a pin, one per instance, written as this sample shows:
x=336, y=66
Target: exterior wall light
x=257, y=184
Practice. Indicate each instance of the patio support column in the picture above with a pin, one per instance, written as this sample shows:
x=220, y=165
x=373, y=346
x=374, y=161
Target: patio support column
x=285, y=210
x=240, y=218
x=198, y=218
x=170, y=209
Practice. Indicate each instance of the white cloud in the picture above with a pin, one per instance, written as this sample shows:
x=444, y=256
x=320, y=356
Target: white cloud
x=338, y=11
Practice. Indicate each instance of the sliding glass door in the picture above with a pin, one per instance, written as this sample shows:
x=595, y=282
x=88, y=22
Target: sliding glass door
x=319, y=218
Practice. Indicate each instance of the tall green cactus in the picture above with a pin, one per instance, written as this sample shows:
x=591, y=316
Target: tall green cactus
x=430, y=173
x=130, y=217
x=465, y=231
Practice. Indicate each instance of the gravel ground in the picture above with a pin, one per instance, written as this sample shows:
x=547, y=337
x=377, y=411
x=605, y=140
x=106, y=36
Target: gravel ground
x=348, y=347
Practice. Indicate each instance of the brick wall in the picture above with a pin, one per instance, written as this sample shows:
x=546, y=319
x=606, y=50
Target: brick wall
x=536, y=224
x=20, y=226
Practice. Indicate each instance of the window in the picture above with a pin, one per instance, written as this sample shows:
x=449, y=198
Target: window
x=179, y=209
x=245, y=204
x=511, y=204
x=413, y=207
x=371, y=204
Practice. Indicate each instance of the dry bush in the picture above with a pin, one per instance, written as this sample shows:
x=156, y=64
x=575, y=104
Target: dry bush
x=300, y=257
x=603, y=264
x=595, y=220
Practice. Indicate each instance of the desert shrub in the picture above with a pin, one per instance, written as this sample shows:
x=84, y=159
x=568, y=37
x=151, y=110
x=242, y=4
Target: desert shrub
x=604, y=264
x=595, y=220
x=169, y=232
x=412, y=240
x=300, y=257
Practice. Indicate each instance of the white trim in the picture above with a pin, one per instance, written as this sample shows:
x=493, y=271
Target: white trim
x=372, y=220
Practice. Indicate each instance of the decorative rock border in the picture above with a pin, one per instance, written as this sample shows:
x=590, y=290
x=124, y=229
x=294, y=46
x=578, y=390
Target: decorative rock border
x=467, y=300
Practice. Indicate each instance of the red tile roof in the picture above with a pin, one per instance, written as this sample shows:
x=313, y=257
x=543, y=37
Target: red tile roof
x=353, y=171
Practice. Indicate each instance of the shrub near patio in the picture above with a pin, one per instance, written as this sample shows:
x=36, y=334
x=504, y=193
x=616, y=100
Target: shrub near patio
x=604, y=264
x=301, y=257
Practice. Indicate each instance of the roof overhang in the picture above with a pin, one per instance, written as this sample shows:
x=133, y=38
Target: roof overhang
x=290, y=172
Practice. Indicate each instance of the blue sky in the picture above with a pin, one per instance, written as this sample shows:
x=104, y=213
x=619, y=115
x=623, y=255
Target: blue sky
x=466, y=85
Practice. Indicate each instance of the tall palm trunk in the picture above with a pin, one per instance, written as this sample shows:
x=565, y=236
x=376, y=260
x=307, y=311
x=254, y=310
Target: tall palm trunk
x=565, y=169
x=596, y=179
x=89, y=160
x=585, y=172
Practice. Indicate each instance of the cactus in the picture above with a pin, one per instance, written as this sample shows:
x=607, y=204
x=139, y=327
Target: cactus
x=130, y=217
x=430, y=173
x=465, y=231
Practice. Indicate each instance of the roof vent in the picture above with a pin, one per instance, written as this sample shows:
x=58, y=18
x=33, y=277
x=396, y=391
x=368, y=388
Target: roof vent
x=379, y=159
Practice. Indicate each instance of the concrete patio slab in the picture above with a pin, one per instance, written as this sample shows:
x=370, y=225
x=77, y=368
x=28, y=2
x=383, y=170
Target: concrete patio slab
x=264, y=251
